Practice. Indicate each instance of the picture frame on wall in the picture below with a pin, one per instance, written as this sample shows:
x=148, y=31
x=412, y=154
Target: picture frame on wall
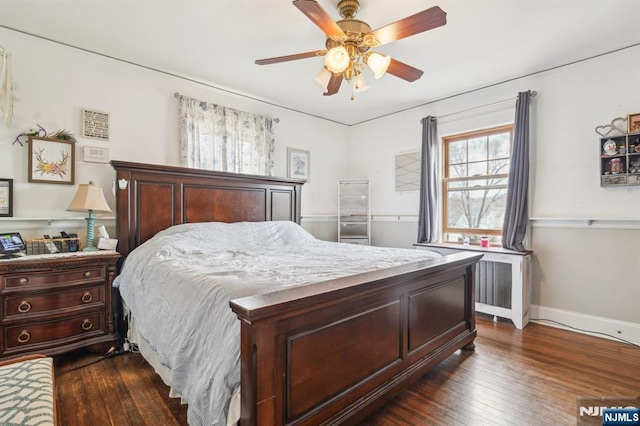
x=298, y=163
x=633, y=123
x=95, y=124
x=95, y=154
x=51, y=161
x=6, y=197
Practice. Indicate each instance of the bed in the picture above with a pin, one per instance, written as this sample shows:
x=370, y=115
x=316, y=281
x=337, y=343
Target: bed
x=329, y=352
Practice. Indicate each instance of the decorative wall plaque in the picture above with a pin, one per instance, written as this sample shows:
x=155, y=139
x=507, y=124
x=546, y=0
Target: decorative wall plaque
x=95, y=125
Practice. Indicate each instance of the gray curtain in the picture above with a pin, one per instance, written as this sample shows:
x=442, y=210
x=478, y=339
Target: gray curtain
x=516, y=211
x=428, y=214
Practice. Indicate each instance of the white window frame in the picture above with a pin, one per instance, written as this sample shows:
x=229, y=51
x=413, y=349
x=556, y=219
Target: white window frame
x=446, y=229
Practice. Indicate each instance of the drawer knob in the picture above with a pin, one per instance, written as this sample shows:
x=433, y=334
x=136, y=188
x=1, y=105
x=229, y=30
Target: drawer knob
x=87, y=274
x=24, y=336
x=24, y=306
x=87, y=325
x=87, y=297
x=23, y=280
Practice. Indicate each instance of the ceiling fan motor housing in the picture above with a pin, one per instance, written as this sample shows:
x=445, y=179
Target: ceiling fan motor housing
x=356, y=32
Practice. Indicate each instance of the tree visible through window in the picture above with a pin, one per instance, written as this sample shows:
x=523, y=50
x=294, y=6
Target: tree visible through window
x=475, y=184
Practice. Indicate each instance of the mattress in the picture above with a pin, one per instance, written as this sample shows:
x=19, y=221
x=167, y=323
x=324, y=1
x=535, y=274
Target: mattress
x=179, y=283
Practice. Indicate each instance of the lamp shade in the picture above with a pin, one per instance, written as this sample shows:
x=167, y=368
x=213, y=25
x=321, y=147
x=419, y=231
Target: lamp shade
x=337, y=59
x=89, y=197
x=323, y=79
x=378, y=63
x=359, y=85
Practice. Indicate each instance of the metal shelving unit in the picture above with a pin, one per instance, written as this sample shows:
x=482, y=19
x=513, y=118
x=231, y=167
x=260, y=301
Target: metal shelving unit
x=354, y=218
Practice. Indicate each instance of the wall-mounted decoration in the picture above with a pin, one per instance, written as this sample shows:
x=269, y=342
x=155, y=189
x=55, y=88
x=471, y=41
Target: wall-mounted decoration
x=633, y=123
x=613, y=129
x=51, y=161
x=298, y=163
x=6, y=197
x=408, y=171
x=23, y=137
x=94, y=154
x=95, y=125
x=40, y=132
x=6, y=86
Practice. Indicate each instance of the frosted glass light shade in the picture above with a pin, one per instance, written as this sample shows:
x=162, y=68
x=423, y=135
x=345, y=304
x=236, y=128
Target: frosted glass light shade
x=378, y=63
x=337, y=59
x=359, y=85
x=323, y=78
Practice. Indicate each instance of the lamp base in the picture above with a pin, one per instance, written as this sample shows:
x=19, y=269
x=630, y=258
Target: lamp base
x=91, y=222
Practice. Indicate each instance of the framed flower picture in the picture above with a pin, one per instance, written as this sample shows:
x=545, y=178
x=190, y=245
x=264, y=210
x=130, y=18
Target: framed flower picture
x=51, y=161
x=298, y=163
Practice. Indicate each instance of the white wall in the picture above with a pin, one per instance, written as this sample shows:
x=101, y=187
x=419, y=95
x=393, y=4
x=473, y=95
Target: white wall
x=578, y=269
x=54, y=83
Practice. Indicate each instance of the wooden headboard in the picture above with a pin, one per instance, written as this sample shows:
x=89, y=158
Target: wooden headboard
x=157, y=197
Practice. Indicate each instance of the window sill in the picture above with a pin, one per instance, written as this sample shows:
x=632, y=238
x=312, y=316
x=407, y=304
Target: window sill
x=462, y=247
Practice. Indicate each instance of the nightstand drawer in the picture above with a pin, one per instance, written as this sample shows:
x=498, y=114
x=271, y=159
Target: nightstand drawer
x=29, y=304
x=67, y=330
x=88, y=274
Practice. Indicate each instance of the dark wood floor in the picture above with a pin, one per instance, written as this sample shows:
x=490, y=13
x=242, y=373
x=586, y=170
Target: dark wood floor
x=515, y=377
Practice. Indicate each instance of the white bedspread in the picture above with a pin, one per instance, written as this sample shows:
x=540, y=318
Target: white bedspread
x=179, y=283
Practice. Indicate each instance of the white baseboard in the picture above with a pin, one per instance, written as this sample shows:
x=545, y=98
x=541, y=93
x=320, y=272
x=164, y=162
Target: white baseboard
x=586, y=324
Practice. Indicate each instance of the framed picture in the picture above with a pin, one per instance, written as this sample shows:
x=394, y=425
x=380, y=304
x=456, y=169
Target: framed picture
x=6, y=197
x=51, y=161
x=408, y=166
x=633, y=123
x=298, y=163
x=94, y=154
x=95, y=124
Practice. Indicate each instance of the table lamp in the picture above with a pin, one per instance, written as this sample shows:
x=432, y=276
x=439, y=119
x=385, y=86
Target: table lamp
x=89, y=198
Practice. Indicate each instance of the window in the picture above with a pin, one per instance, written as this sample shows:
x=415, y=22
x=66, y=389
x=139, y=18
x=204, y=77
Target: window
x=214, y=137
x=476, y=171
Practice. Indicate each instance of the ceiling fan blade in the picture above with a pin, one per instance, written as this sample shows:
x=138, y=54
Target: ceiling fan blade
x=319, y=16
x=411, y=25
x=287, y=58
x=404, y=71
x=334, y=84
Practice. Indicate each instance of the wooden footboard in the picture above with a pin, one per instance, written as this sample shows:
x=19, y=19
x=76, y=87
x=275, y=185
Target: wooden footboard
x=333, y=352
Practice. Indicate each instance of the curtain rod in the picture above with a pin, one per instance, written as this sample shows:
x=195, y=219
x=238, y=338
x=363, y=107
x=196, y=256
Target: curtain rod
x=533, y=95
x=178, y=96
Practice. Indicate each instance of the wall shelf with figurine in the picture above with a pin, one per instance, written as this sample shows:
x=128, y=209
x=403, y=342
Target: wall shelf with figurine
x=620, y=160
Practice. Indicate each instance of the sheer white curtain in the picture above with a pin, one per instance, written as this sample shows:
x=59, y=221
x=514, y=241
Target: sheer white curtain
x=214, y=137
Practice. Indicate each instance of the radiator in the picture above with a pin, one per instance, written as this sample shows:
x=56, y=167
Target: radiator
x=493, y=283
x=501, y=280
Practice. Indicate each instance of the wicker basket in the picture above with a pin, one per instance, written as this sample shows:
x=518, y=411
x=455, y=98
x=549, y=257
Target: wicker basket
x=51, y=245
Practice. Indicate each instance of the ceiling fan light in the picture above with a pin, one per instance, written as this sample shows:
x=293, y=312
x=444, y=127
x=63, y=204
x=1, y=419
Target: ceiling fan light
x=359, y=85
x=337, y=59
x=323, y=78
x=378, y=63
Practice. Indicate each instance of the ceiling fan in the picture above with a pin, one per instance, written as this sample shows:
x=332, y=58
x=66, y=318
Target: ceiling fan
x=349, y=40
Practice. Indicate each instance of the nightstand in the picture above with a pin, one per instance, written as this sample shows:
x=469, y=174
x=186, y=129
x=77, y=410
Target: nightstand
x=56, y=303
